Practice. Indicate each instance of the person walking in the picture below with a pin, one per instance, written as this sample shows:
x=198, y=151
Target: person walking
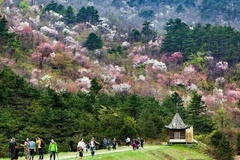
x=11, y=148
x=26, y=148
x=114, y=143
x=53, y=149
x=80, y=148
x=105, y=143
x=40, y=148
x=32, y=149
x=128, y=141
x=71, y=144
x=92, y=146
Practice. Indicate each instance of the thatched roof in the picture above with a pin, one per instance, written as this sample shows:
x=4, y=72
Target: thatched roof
x=177, y=123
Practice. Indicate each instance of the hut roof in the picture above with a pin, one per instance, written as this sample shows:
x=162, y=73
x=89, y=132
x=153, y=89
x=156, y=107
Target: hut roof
x=177, y=123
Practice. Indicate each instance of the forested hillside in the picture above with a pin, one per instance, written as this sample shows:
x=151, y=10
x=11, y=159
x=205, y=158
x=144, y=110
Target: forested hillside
x=69, y=71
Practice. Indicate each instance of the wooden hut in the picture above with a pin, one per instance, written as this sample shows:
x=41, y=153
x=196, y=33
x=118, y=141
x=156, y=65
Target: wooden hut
x=179, y=132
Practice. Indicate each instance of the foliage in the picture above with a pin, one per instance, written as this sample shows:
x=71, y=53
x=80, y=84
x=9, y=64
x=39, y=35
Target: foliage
x=54, y=6
x=197, y=115
x=24, y=6
x=148, y=31
x=222, y=147
x=93, y=42
x=59, y=115
x=84, y=14
x=135, y=36
x=69, y=15
x=88, y=14
x=8, y=41
x=221, y=41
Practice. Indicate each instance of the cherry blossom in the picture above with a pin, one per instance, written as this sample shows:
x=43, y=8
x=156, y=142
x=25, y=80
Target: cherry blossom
x=222, y=65
x=156, y=64
x=189, y=70
x=220, y=80
x=175, y=57
x=83, y=83
x=49, y=30
x=123, y=87
x=138, y=60
x=141, y=78
x=192, y=87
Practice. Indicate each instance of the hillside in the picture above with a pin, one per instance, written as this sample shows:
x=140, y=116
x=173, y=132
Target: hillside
x=76, y=61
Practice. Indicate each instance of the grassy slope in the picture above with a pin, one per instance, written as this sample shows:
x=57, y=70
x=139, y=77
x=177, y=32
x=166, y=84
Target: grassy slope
x=156, y=152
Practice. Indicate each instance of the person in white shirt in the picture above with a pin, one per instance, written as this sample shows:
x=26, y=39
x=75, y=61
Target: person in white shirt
x=92, y=146
x=80, y=146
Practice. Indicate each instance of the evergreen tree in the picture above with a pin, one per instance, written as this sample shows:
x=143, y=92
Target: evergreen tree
x=93, y=42
x=148, y=31
x=82, y=15
x=133, y=106
x=3, y=31
x=196, y=107
x=173, y=104
x=93, y=16
x=69, y=15
x=197, y=114
x=52, y=6
x=135, y=36
x=222, y=147
x=224, y=150
x=95, y=87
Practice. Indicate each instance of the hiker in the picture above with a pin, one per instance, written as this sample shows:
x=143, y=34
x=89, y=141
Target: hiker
x=134, y=145
x=26, y=148
x=105, y=143
x=137, y=141
x=141, y=142
x=92, y=146
x=71, y=144
x=114, y=143
x=80, y=147
x=109, y=144
x=12, y=148
x=53, y=149
x=39, y=143
x=128, y=141
x=16, y=152
x=32, y=149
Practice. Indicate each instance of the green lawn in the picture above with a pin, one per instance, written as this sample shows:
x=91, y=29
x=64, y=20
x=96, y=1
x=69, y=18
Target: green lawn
x=150, y=152
x=156, y=152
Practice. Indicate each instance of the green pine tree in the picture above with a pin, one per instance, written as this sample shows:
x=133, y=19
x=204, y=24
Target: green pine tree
x=93, y=42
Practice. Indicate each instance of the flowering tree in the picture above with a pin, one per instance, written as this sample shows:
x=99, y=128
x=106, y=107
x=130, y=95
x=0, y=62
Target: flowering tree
x=175, y=59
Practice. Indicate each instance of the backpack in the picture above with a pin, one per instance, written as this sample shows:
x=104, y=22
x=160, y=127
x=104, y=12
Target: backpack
x=79, y=149
x=42, y=144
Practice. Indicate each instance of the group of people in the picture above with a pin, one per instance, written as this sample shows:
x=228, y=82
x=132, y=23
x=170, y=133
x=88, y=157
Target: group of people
x=107, y=143
x=136, y=143
x=30, y=148
x=91, y=146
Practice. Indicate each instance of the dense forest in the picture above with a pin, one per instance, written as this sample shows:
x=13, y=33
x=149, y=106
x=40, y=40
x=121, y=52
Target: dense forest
x=68, y=72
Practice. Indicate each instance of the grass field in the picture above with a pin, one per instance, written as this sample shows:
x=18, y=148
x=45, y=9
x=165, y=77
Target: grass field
x=149, y=152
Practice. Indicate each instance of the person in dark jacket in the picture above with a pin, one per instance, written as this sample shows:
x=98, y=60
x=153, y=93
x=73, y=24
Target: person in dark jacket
x=12, y=148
